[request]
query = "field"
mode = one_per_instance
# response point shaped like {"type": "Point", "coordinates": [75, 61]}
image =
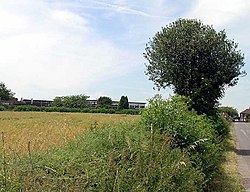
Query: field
{"type": "Point", "coordinates": [28, 132]}
{"type": "Point", "coordinates": [42, 151]}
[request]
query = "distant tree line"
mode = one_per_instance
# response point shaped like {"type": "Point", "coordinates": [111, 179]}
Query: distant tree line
{"type": "Point", "coordinates": [5, 93]}
{"type": "Point", "coordinates": [81, 102]}
{"type": "Point", "coordinates": [72, 103]}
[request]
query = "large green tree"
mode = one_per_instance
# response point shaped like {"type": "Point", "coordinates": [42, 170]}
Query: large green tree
{"type": "Point", "coordinates": [123, 103]}
{"type": "Point", "coordinates": [72, 101]}
{"type": "Point", "coordinates": [194, 60]}
{"type": "Point", "coordinates": [5, 93]}
{"type": "Point", "coordinates": [104, 102]}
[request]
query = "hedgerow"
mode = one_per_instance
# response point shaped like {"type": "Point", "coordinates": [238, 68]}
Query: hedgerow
{"type": "Point", "coordinates": [27, 108]}
{"type": "Point", "coordinates": [190, 132]}
{"type": "Point", "coordinates": [76, 110]}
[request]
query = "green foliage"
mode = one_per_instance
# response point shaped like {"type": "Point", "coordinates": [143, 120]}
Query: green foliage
{"type": "Point", "coordinates": [117, 158]}
{"type": "Point", "coordinates": [27, 108]}
{"type": "Point", "coordinates": [248, 118]}
{"type": "Point", "coordinates": [130, 111]}
{"type": "Point", "coordinates": [104, 102]}
{"type": "Point", "coordinates": [102, 110]}
{"type": "Point", "coordinates": [5, 93]}
{"type": "Point", "coordinates": [2, 108]}
{"type": "Point", "coordinates": [123, 103]}
{"type": "Point", "coordinates": [58, 102]}
{"type": "Point", "coordinates": [191, 132]}
{"type": "Point", "coordinates": [232, 112]}
{"type": "Point", "coordinates": [221, 126]}
{"type": "Point", "coordinates": [73, 101]}
{"type": "Point", "coordinates": [74, 110]}
{"type": "Point", "coordinates": [195, 60]}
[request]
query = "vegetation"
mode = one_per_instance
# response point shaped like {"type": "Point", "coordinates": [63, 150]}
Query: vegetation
{"type": "Point", "coordinates": [2, 108]}
{"type": "Point", "coordinates": [179, 144]}
{"type": "Point", "coordinates": [123, 103]}
{"type": "Point", "coordinates": [191, 132]}
{"type": "Point", "coordinates": [171, 149]}
{"type": "Point", "coordinates": [232, 112]}
{"type": "Point", "coordinates": [74, 110]}
{"type": "Point", "coordinates": [45, 130]}
{"type": "Point", "coordinates": [5, 93]}
{"type": "Point", "coordinates": [120, 158]}
{"type": "Point", "coordinates": [73, 101]}
{"type": "Point", "coordinates": [104, 102]}
{"type": "Point", "coordinates": [248, 118]}
{"type": "Point", "coordinates": [227, 177]}
{"type": "Point", "coordinates": [195, 60]}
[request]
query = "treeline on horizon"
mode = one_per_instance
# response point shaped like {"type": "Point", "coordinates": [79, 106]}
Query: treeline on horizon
{"type": "Point", "coordinates": [78, 104]}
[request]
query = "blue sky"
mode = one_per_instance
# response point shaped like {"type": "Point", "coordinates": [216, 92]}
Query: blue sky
{"type": "Point", "coordinates": [95, 47]}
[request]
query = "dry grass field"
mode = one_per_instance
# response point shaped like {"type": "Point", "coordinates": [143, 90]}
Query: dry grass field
{"type": "Point", "coordinates": [24, 132]}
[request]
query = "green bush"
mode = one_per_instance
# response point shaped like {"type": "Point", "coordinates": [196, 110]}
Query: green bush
{"type": "Point", "coordinates": [191, 132]}
{"type": "Point", "coordinates": [102, 110]}
{"type": "Point", "coordinates": [121, 158]}
{"type": "Point", "coordinates": [221, 126]}
{"type": "Point", "coordinates": [27, 108]}
{"type": "Point", "coordinates": [76, 110]}
{"type": "Point", "coordinates": [129, 111]}
{"type": "Point", "coordinates": [2, 108]}
{"type": "Point", "coordinates": [85, 110]}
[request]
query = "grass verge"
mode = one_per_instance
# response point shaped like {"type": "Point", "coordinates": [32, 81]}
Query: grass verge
{"type": "Point", "coordinates": [228, 177]}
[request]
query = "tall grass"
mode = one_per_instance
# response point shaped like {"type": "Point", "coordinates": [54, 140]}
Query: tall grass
{"type": "Point", "coordinates": [45, 130]}
{"type": "Point", "coordinates": [174, 149]}
{"type": "Point", "coordinates": [118, 158]}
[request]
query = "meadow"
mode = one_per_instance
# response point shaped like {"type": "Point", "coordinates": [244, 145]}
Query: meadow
{"type": "Point", "coordinates": [28, 132]}
{"type": "Point", "coordinates": [41, 151]}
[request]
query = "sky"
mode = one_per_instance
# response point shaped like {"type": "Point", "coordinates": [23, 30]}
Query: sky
{"type": "Point", "coordinates": [55, 48]}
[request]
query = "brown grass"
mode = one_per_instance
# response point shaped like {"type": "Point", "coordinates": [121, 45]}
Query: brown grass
{"type": "Point", "coordinates": [37, 131]}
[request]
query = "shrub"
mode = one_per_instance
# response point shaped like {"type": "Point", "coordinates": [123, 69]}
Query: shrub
{"type": "Point", "coordinates": [191, 132]}
{"type": "Point", "coordinates": [221, 126]}
{"type": "Point", "coordinates": [121, 158]}
{"type": "Point", "coordinates": [130, 111]}
{"type": "Point", "coordinates": [2, 108]}
{"type": "Point", "coordinates": [102, 110]}
{"type": "Point", "coordinates": [27, 108]}
{"type": "Point", "coordinates": [85, 110]}
{"type": "Point", "coordinates": [61, 109]}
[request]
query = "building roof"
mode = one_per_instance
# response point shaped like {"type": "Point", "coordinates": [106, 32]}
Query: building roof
{"type": "Point", "coordinates": [246, 111]}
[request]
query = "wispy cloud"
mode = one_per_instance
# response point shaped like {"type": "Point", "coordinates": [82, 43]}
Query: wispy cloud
{"type": "Point", "coordinates": [219, 12]}
{"type": "Point", "coordinates": [119, 7]}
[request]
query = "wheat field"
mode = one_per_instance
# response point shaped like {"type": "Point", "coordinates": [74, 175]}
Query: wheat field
{"type": "Point", "coordinates": [26, 132]}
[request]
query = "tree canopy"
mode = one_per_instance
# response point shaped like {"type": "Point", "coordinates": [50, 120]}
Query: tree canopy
{"type": "Point", "coordinates": [195, 60]}
{"type": "Point", "coordinates": [232, 112]}
{"type": "Point", "coordinates": [72, 101]}
{"type": "Point", "coordinates": [5, 93]}
{"type": "Point", "coordinates": [123, 103]}
{"type": "Point", "coordinates": [104, 102]}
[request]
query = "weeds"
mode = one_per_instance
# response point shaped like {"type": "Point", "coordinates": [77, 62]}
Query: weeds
{"type": "Point", "coordinates": [117, 158]}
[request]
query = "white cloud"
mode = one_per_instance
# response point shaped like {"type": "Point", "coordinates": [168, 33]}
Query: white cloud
{"type": "Point", "coordinates": [55, 52]}
{"type": "Point", "coordinates": [219, 12]}
{"type": "Point", "coordinates": [10, 22]}
{"type": "Point", "coordinates": [68, 18]}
